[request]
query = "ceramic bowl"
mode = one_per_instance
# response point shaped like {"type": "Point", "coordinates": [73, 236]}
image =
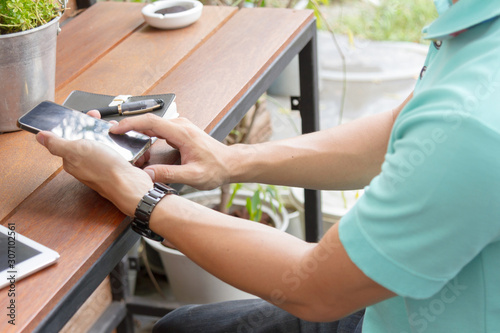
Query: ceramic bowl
{"type": "Point", "coordinates": [172, 14]}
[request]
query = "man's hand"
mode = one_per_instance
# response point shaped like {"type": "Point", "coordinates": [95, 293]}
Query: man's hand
{"type": "Point", "coordinates": [142, 159]}
{"type": "Point", "coordinates": [203, 159]}
{"type": "Point", "coordinates": [102, 169]}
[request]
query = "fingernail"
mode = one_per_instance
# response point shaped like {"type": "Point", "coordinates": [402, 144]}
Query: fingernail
{"type": "Point", "coordinates": [114, 124]}
{"type": "Point", "coordinates": [40, 138]}
{"type": "Point", "coordinates": [151, 173]}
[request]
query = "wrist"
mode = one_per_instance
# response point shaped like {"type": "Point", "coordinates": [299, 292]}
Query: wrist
{"type": "Point", "coordinates": [239, 167]}
{"type": "Point", "coordinates": [145, 208]}
{"type": "Point", "coordinates": [131, 193]}
{"type": "Point", "coordinates": [165, 214]}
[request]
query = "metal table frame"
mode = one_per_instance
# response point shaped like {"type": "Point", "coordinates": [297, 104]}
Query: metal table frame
{"type": "Point", "coordinates": [120, 313]}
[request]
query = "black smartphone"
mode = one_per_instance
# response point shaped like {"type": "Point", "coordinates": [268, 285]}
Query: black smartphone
{"type": "Point", "coordinates": [74, 125]}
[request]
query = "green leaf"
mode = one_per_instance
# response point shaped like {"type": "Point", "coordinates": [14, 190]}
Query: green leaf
{"type": "Point", "coordinates": [20, 15]}
{"type": "Point", "coordinates": [236, 188]}
{"type": "Point", "coordinates": [256, 206]}
{"type": "Point", "coordinates": [249, 208]}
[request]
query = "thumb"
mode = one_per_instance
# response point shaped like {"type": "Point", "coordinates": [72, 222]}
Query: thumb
{"type": "Point", "coordinates": [52, 142]}
{"type": "Point", "coordinates": [167, 173]}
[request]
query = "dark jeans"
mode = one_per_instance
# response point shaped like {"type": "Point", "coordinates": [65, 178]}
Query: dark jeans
{"type": "Point", "coordinates": [248, 316]}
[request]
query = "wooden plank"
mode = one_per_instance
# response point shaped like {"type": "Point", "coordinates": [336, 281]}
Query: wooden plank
{"type": "Point", "coordinates": [79, 45]}
{"type": "Point", "coordinates": [149, 54]}
{"type": "Point", "coordinates": [91, 34]}
{"type": "Point", "coordinates": [25, 166]}
{"type": "Point", "coordinates": [75, 221]}
{"type": "Point", "coordinates": [94, 307]}
{"type": "Point", "coordinates": [224, 67]}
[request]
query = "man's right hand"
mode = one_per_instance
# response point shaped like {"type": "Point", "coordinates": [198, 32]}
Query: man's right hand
{"type": "Point", "coordinates": [203, 159]}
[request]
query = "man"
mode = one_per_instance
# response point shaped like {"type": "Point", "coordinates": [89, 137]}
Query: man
{"type": "Point", "coordinates": [420, 250]}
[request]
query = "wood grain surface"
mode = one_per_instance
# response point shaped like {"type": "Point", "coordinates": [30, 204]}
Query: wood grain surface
{"type": "Point", "coordinates": [140, 61]}
{"type": "Point", "coordinates": [108, 49]}
{"type": "Point", "coordinates": [91, 35]}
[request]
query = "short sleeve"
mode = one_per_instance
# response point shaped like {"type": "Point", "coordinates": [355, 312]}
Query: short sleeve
{"type": "Point", "coordinates": [433, 207]}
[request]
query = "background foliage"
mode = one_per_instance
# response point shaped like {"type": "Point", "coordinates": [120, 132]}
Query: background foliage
{"type": "Point", "coordinates": [394, 20]}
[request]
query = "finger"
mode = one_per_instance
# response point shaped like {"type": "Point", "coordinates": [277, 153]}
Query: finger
{"type": "Point", "coordinates": [153, 125]}
{"type": "Point", "coordinates": [73, 153]}
{"type": "Point", "coordinates": [170, 173]}
{"type": "Point", "coordinates": [144, 123]}
{"type": "Point", "coordinates": [56, 146]}
{"type": "Point", "coordinates": [94, 113]}
{"type": "Point", "coordinates": [143, 159]}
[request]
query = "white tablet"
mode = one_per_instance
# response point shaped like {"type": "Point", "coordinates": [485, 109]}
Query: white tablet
{"type": "Point", "coordinates": [21, 256]}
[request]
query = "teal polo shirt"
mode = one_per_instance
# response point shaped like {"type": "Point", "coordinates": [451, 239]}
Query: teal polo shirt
{"type": "Point", "coordinates": [428, 226]}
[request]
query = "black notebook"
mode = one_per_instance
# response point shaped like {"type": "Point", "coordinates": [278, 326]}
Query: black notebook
{"type": "Point", "coordinates": [82, 101]}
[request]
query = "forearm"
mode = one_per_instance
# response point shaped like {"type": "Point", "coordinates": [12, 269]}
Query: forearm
{"type": "Point", "coordinates": [341, 158]}
{"type": "Point", "coordinates": [344, 157]}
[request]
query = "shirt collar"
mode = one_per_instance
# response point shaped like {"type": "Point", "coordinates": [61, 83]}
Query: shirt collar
{"type": "Point", "coordinates": [456, 18]}
{"type": "Point", "coordinates": [442, 5]}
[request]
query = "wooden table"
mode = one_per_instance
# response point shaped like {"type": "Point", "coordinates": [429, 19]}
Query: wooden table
{"type": "Point", "coordinates": [218, 68]}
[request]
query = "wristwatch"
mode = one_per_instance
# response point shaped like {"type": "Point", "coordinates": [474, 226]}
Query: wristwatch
{"type": "Point", "coordinates": [140, 223]}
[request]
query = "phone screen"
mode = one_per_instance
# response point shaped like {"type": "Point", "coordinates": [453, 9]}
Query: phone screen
{"type": "Point", "coordinates": [74, 125]}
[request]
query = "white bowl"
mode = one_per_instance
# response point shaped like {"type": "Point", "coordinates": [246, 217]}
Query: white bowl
{"type": "Point", "coordinates": [172, 20]}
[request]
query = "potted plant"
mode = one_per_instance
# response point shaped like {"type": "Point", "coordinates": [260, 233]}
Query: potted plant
{"type": "Point", "coordinates": [28, 31]}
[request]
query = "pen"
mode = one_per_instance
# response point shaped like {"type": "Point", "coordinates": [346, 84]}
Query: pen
{"type": "Point", "coordinates": [126, 109]}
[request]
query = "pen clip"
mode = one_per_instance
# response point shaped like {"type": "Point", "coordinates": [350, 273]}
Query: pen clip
{"type": "Point", "coordinates": [120, 99]}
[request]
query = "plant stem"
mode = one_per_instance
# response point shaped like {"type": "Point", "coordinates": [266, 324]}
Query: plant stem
{"type": "Point", "coordinates": [37, 13]}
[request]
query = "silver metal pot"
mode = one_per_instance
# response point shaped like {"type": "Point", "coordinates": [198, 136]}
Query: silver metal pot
{"type": "Point", "coordinates": [27, 71]}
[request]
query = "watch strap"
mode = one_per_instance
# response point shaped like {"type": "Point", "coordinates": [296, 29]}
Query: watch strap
{"type": "Point", "coordinates": [140, 223]}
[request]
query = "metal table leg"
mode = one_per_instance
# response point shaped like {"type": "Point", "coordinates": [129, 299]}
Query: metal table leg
{"type": "Point", "coordinates": [309, 111]}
